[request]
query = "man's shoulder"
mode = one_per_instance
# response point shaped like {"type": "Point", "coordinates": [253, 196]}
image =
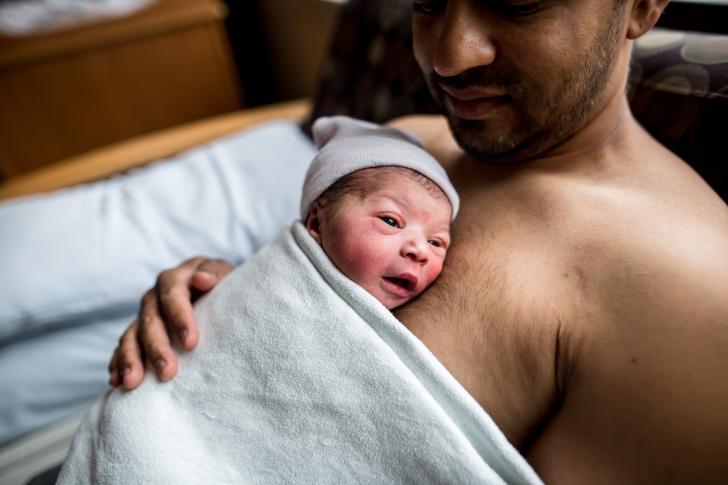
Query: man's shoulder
{"type": "Point", "coordinates": [666, 274]}
{"type": "Point", "coordinates": [664, 231]}
{"type": "Point", "coordinates": [645, 369]}
{"type": "Point", "coordinates": [652, 251]}
{"type": "Point", "coordinates": [644, 391]}
{"type": "Point", "coordinates": [434, 133]}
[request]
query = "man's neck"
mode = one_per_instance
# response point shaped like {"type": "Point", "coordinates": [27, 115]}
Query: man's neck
{"type": "Point", "coordinates": [607, 134]}
{"type": "Point", "coordinates": [607, 141]}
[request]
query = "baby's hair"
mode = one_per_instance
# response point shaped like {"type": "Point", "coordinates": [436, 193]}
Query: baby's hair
{"type": "Point", "coordinates": [365, 181]}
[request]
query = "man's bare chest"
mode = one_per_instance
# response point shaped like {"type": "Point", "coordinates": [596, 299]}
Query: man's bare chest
{"type": "Point", "coordinates": [493, 320]}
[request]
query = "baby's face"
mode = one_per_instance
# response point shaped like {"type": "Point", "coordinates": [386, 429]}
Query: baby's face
{"type": "Point", "coordinates": [392, 243]}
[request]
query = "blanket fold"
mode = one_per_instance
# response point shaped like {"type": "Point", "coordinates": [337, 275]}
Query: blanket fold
{"type": "Point", "coordinates": [300, 376]}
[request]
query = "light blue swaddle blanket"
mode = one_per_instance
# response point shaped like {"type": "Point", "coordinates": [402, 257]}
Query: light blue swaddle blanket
{"type": "Point", "coordinates": [300, 376]}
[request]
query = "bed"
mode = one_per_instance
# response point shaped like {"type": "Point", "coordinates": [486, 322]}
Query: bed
{"type": "Point", "coordinates": [83, 238]}
{"type": "Point", "coordinates": [54, 340]}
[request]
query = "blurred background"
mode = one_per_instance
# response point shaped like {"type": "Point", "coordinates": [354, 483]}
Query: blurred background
{"type": "Point", "coordinates": [79, 74]}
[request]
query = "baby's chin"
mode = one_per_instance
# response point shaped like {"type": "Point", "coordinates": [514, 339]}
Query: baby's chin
{"type": "Point", "coordinates": [391, 302]}
{"type": "Point", "coordinates": [392, 306]}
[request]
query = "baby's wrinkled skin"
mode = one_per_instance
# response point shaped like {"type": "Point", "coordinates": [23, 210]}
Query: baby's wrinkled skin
{"type": "Point", "coordinates": [392, 242]}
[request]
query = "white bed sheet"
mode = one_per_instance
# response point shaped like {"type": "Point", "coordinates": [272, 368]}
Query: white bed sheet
{"type": "Point", "coordinates": [75, 262]}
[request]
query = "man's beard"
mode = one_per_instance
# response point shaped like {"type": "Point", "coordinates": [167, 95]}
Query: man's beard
{"type": "Point", "coordinates": [542, 117]}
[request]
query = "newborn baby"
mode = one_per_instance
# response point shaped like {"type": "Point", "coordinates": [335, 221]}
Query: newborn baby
{"type": "Point", "coordinates": [379, 206]}
{"type": "Point", "coordinates": [303, 374]}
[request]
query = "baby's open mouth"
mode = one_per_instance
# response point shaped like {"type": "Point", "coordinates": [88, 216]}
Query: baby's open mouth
{"type": "Point", "coordinates": [401, 282]}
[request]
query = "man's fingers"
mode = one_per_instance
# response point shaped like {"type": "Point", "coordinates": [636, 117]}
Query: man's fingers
{"type": "Point", "coordinates": [114, 377]}
{"type": "Point", "coordinates": [131, 363]}
{"type": "Point", "coordinates": [168, 306]}
{"type": "Point", "coordinates": [176, 308]}
{"type": "Point", "coordinates": [127, 364]}
{"type": "Point", "coordinates": [209, 272]}
{"type": "Point", "coordinates": [175, 295]}
{"type": "Point", "coordinates": [175, 299]}
{"type": "Point", "coordinates": [206, 277]}
{"type": "Point", "coordinates": [153, 335]}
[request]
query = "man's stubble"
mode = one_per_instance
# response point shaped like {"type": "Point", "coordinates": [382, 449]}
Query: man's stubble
{"type": "Point", "coordinates": [543, 117]}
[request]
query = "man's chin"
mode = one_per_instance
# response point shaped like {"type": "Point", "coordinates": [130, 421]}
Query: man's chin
{"type": "Point", "coordinates": [489, 144]}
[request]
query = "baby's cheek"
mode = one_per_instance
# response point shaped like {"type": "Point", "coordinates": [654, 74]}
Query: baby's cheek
{"type": "Point", "coordinates": [433, 272]}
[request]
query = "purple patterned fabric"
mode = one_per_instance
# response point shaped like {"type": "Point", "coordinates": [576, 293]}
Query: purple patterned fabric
{"type": "Point", "coordinates": [679, 92]}
{"type": "Point", "coordinates": [678, 82]}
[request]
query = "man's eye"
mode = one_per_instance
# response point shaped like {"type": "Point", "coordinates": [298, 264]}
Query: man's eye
{"type": "Point", "coordinates": [391, 221]}
{"type": "Point", "coordinates": [516, 9]}
{"type": "Point", "coordinates": [429, 6]}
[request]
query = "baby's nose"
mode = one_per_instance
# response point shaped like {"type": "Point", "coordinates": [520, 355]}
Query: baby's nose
{"type": "Point", "coordinates": [415, 249]}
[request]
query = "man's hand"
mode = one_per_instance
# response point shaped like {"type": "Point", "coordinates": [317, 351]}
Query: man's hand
{"type": "Point", "coordinates": [166, 313]}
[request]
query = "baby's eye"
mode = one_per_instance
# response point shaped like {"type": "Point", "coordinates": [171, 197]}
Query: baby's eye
{"type": "Point", "coordinates": [391, 221]}
{"type": "Point", "coordinates": [436, 243]}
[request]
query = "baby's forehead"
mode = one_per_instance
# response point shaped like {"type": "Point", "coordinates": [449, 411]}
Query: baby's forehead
{"type": "Point", "coordinates": [404, 194]}
{"type": "Point", "coordinates": [371, 180]}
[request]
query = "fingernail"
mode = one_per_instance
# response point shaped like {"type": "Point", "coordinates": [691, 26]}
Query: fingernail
{"type": "Point", "coordinates": [159, 364]}
{"type": "Point", "coordinates": [182, 334]}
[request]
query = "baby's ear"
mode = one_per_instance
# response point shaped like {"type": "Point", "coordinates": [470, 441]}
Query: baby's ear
{"type": "Point", "coordinates": [313, 221]}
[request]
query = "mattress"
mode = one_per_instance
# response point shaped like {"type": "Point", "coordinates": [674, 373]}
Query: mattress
{"type": "Point", "coordinates": [37, 455]}
{"type": "Point", "coordinates": [76, 262]}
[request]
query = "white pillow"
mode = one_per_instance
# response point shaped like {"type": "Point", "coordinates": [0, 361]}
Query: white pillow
{"type": "Point", "coordinates": [99, 246]}
{"type": "Point", "coordinates": [55, 375]}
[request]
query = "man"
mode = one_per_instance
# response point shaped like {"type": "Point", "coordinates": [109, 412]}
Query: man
{"type": "Point", "coordinates": [583, 303]}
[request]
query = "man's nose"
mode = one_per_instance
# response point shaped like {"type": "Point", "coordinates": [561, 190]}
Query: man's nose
{"type": "Point", "coordinates": [415, 248]}
{"type": "Point", "coordinates": [464, 40]}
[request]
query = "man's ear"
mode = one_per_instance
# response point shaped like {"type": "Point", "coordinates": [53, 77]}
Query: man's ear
{"type": "Point", "coordinates": [313, 221]}
{"type": "Point", "coordinates": [643, 16]}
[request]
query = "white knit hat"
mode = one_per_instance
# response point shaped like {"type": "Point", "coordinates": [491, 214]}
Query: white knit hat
{"type": "Point", "coordinates": [347, 145]}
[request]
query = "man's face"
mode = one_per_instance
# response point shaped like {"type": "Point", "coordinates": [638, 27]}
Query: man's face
{"type": "Point", "coordinates": [516, 77]}
{"type": "Point", "coordinates": [392, 243]}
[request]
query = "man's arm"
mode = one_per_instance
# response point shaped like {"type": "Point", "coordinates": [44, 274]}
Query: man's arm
{"type": "Point", "coordinates": [166, 310]}
{"type": "Point", "coordinates": [165, 315]}
{"type": "Point", "coordinates": [646, 398]}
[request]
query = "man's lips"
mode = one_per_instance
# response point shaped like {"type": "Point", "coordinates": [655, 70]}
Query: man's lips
{"type": "Point", "coordinates": [470, 93]}
{"type": "Point", "coordinates": [473, 103]}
